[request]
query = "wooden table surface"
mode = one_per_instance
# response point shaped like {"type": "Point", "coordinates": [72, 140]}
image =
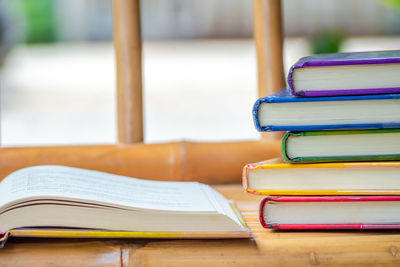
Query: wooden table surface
{"type": "Point", "coordinates": [268, 247]}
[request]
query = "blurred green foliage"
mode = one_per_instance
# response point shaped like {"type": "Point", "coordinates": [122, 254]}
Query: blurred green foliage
{"type": "Point", "coordinates": [39, 15]}
{"type": "Point", "coordinates": [327, 41]}
{"type": "Point", "coordinates": [392, 3]}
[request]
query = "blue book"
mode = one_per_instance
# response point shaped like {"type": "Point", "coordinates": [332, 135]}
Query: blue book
{"type": "Point", "coordinates": [285, 112]}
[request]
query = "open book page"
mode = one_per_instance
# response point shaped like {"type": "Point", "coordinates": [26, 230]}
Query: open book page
{"type": "Point", "coordinates": [65, 182]}
{"type": "Point", "coordinates": [223, 206]}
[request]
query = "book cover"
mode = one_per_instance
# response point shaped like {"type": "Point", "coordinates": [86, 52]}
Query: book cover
{"type": "Point", "coordinates": [325, 199]}
{"type": "Point", "coordinates": [285, 96]}
{"type": "Point", "coordinates": [280, 164]}
{"type": "Point", "coordinates": [51, 233]}
{"type": "Point", "coordinates": [317, 159]}
{"type": "Point", "coordinates": [341, 59]}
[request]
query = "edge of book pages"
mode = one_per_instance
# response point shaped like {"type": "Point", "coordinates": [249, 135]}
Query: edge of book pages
{"type": "Point", "coordinates": [272, 165]}
{"type": "Point", "coordinates": [77, 233]}
{"type": "Point", "coordinates": [332, 226]}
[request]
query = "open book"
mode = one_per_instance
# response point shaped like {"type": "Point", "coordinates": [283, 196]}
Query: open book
{"type": "Point", "coordinates": [58, 201]}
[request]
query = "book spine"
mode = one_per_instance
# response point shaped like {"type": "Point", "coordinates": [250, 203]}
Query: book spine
{"type": "Point", "coordinates": [245, 179]}
{"type": "Point", "coordinates": [261, 212]}
{"type": "Point", "coordinates": [257, 124]}
{"type": "Point", "coordinates": [285, 147]}
{"type": "Point", "coordinates": [290, 81]}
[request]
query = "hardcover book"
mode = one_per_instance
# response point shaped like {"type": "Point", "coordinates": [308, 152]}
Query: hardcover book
{"type": "Point", "coordinates": [336, 146]}
{"type": "Point", "coordinates": [275, 177]}
{"type": "Point", "coordinates": [349, 212]}
{"type": "Point", "coordinates": [356, 73]}
{"type": "Point", "coordinates": [58, 201]}
{"type": "Point", "coordinates": [284, 112]}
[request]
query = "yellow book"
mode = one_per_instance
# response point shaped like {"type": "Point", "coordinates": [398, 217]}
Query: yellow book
{"type": "Point", "coordinates": [58, 201]}
{"type": "Point", "coordinates": [274, 177]}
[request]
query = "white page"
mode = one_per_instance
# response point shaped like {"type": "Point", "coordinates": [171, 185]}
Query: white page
{"type": "Point", "coordinates": [67, 182]}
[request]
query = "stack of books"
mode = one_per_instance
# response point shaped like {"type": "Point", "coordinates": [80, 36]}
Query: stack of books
{"type": "Point", "coordinates": [340, 167]}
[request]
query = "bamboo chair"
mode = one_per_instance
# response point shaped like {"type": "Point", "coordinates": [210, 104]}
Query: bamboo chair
{"type": "Point", "coordinates": [206, 162]}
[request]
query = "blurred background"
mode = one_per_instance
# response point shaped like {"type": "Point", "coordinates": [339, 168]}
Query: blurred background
{"type": "Point", "coordinates": [58, 73]}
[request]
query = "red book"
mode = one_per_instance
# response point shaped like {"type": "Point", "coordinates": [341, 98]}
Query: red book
{"type": "Point", "coordinates": [331, 212]}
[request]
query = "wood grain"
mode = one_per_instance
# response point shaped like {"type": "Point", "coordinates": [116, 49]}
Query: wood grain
{"type": "Point", "coordinates": [128, 54]}
{"type": "Point", "coordinates": [61, 253]}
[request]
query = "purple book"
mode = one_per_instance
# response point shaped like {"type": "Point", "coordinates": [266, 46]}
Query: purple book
{"type": "Point", "coordinates": [359, 73]}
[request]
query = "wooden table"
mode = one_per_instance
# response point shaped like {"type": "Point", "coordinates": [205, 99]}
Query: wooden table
{"type": "Point", "coordinates": [267, 248]}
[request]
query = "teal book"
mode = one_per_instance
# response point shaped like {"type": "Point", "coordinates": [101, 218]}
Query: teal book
{"type": "Point", "coordinates": [341, 146]}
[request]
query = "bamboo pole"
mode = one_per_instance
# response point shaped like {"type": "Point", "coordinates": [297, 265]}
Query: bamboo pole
{"type": "Point", "coordinates": [182, 161]}
{"type": "Point", "coordinates": [128, 53]}
{"type": "Point", "coordinates": [269, 48]}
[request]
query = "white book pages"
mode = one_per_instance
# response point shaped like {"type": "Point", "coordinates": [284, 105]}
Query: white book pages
{"type": "Point", "coordinates": [71, 183]}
